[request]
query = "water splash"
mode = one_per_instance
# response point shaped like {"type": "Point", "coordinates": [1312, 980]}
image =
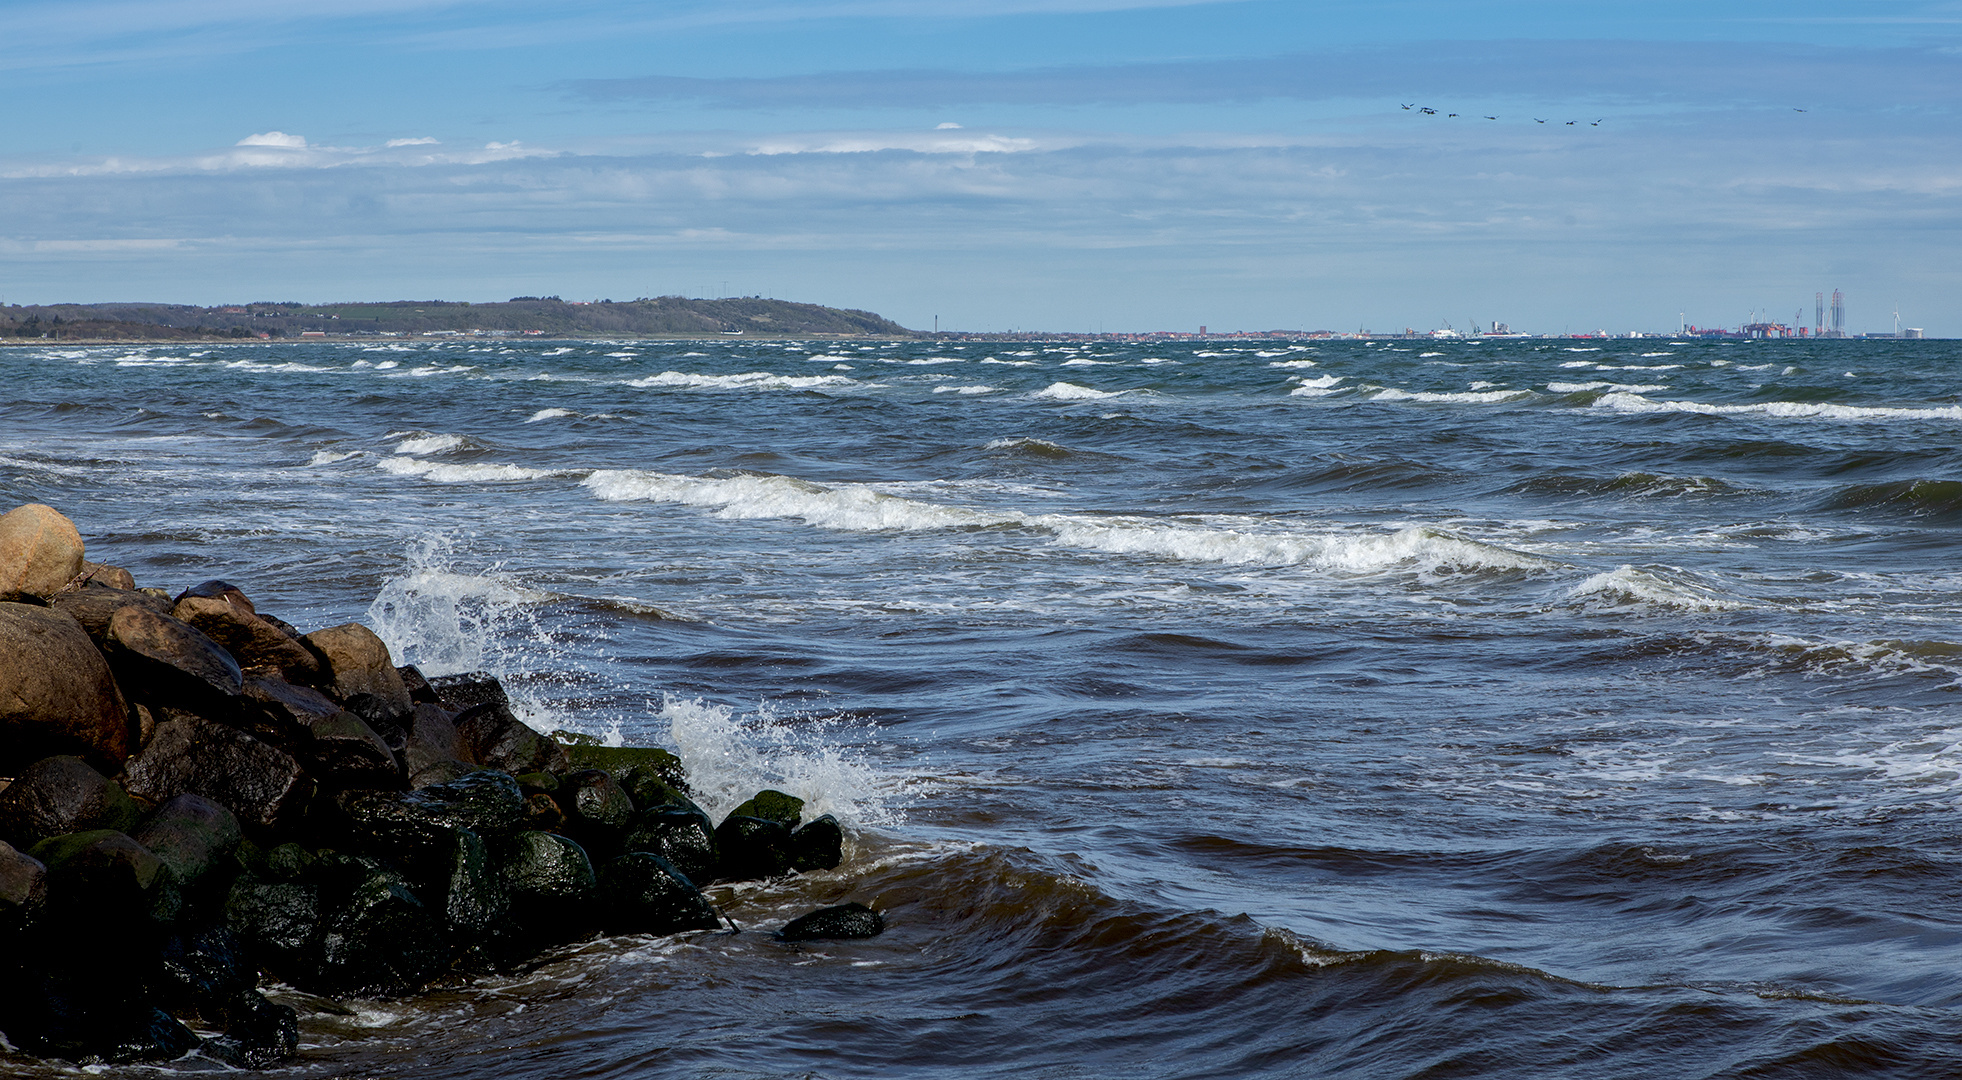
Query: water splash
{"type": "Point", "coordinates": [823, 760]}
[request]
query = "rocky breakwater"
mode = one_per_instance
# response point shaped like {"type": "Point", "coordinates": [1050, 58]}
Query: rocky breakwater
{"type": "Point", "coordinates": [198, 796]}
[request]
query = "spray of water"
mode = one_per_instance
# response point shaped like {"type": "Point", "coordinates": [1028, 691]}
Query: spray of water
{"type": "Point", "coordinates": [822, 760]}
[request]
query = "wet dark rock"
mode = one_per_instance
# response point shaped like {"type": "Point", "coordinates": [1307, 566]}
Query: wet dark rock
{"type": "Point", "coordinates": [843, 921]}
{"type": "Point", "coordinates": [285, 712]}
{"type": "Point", "coordinates": [346, 753]}
{"type": "Point", "coordinates": [94, 605]}
{"type": "Point", "coordinates": [23, 891]}
{"type": "Point", "coordinates": [500, 740]}
{"type": "Point", "coordinates": [261, 784]}
{"type": "Point", "coordinates": [89, 1012]}
{"type": "Point", "coordinates": [199, 973]}
{"type": "Point", "coordinates": [286, 862]}
{"type": "Point", "coordinates": [750, 849]}
{"type": "Point", "coordinates": [411, 823]}
{"type": "Point", "coordinates": [279, 920]}
{"type": "Point", "coordinates": [467, 889]}
{"type": "Point", "coordinates": [217, 590]}
{"type": "Point", "coordinates": [103, 877]}
{"type": "Point", "coordinates": [114, 577]}
{"type": "Point", "coordinates": [62, 794]}
{"type": "Point", "coordinates": [40, 552]}
{"type": "Point", "coordinates": [551, 884]}
{"type": "Point", "coordinates": [818, 845]}
{"type": "Point", "coordinates": [355, 661]}
{"type": "Point", "coordinates": [162, 661]}
{"type": "Point", "coordinates": [413, 680]}
{"type": "Point", "coordinates": [380, 939]}
{"type": "Point", "coordinates": [430, 737]}
{"type": "Point", "coordinates": [776, 806]}
{"type": "Point", "coordinates": [538, 783]}
{"type": "Point", "coordinates": [258, 1032]}
{"type": "Point", "coordinates": [459, 692]}
{"type": "Point", "coordinates": [441, 772]}
{"type": "Point", "coordinates": [643, 893]}
{"type": "Point", "coordinates": [393, 727]}
{"type": "Point", "coordinates": [56, 693]}
{"type": "Point", "coordinates": [597, 811]}
{"type": "Point", "coordinates": [685, 838]}
{"type": "Point", "coordinates": [195, 838]}
{"type": "Point", "coordinates": [542, 812]}
{"type": "Point", "coordinates": [255, 643]}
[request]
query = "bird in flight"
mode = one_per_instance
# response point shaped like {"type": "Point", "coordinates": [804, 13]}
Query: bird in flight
{"type": "Point", "coordinates": [1428, 112]}
{"type": "Point", "coordinates": [1450, 114]}
{"type": "Point", "coordinates": [1537, 120]}
{"type": "Point", "coordinates": [1597, 123]}
{"type": "Point", "coordinates": [1796, 109]}
{"type": "Point", "coordinates": [1491, 118]}
{"type": "Point", "coordinates": [1407, 108]}
{"type": "Point", "coordinates": [1570, 123]}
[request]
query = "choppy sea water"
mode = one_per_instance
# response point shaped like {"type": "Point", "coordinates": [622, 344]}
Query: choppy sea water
{"type": "Point", "coordinates": [1530, 708]}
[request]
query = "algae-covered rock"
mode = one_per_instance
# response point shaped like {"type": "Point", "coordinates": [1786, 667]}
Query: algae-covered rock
{"type": "Point", "coordinates": [643, 893]}
{"type": "Point", "coordinates": [852, 920]}
{"type": "Point", "coordinates": [381, 939]}
{"type": "Point", "coordinates": [194, 837]}
{"type": "Point", "coordinates": [626, 764]}
{"type": "Point", "coordinates": [597, 811]}
{"type": "Point", "coordinates": [496, 737]}
{"type": "Point", "coordinates": [487, 803]}
{"type": "Point", "coordinates": [551, 883]}
{"type": "Point", "coordinates": [103, 877]}
{"type": "Point", "coordinates": [776, 806]}
{"type": "Point", "coordinates": [279, 920]}
{"type": "Point", "coordinates": [62, 794]}
{"type": "Point", "coordinates": [467, 890]}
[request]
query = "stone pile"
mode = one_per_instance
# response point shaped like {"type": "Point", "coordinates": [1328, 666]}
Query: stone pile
{"type": "Point", "coordinates": [201, 794]}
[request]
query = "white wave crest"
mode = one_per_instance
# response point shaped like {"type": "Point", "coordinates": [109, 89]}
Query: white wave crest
{"type": "Point", "coordinates": [1069, 391]}
{"type": "Point", "coordinates": [329, 457]}
{"type": "Point", "coordinates": [1626, 388]}
{"type": "Point", "coordinates": [1786, 410]}
{"type": "Point", "coordinates": [550, 414]}
{"type": "Point", "coordinates": [752, 380]}
{"type": "Point", "coordinates": [1290, 363]}
{"type": "Point", "coordinates": [1472, 397]}
{"type": "Point", "coordinates": [861, 508]}
{"type": "Point", "coordinates": [429, 444]}
{"type": "Point", "coordinates": [1626, 586]}
{"type": "Point", "coordinates": [461, 474]}
{"type": "Point", "coordinates": [965, 389]}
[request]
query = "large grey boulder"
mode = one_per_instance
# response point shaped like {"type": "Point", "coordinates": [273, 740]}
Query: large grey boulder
{"type": "Point", "coordinates": [56, 693]}
{"type": "Point", "coordinates": [40, 552]}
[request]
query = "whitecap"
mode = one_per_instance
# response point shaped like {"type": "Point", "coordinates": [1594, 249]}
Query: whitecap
{"type": "Point", "coordinates": [461, 474]}
{"type": "Point", "coordinates": [1626, 388]}
{"type": "Point", "coordinates": [752, 380]}
{"type": "Point", "coordinates": [1476, 397]}
{"type": "Point", "coordinates": [1069, 391]}
{"type": "Point", "coordinates": [429, 444]}
{"type": "Point", "coordinates": [1626, 586]}
{"type": "Point", "coordinates": [965, 389]}
{"type": "Point", "coordinates": [550, 414]}
{"type": "Point", "coordinates": [1786, 410]}
{"type": "Point", "coordinates": [1293, 363]}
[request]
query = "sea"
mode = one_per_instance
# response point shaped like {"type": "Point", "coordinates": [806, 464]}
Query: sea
{"type": "Point", "coordinates": [1576, 708]}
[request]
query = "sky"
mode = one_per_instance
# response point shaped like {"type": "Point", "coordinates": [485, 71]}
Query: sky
{"type": "Point", "coordinates": [1068, 165]}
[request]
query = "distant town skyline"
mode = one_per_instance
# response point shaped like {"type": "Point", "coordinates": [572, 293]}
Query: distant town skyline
{"type": "Point", "coordinates": [1050, 164]}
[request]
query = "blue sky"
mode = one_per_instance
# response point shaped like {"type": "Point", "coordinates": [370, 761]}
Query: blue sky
{"type": "Point", "coordinates": [1046, 164]}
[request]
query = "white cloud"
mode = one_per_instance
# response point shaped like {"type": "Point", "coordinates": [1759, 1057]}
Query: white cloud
{"type": "Point", "coordinates": [948, 126]}
{"type": "Point", "coordinates": [275, 138]}
{"type": "Point", "coordinates": [424, 141]}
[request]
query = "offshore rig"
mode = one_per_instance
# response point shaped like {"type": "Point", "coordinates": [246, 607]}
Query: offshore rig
{"type": "Point", "coordinates": [1827, 322]}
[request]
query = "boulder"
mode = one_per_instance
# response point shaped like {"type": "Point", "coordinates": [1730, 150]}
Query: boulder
{"type": "Point", "coordinates": [750, 849]}
{"type": "Point", "coordinates": [458, 692]}
{"type": "Point", "coordinates": [217, 590]}
{"type": "Point", "coordinates": [59, 795]}
{"type": "Point", "coordinates": [93, 606]}
{"type": "Point", "coordinates": [630, 765]}
{"type": "Point", "coordinates": [199, 973]}
{"type": "Point", "coordinates": [843, 921]}
{"type": "Point", "coordinates": [115, 577]}
{"type": "Point", "coordinates": [279, 920]}
{"type": "Point", "coordinates": [252, 641]}
{"type": "Point", "coordinates": [40, 552]}
{"type": "Point", "coordinates": [282, 713]}
{"type": "Point", "coordinates": [817, 845]}
{"type": "Point", "coordinates": [163, 661]}
{"type": "Point", "coordinates": [597, 811]}
{"type": "Point", "coordinates": [90, 1011]}
{"type": "Point", "coordinates": [23, 890]}
{"type": "Point", "coordinates": [416, 684]}
{"type": "Point", "coordinates": [467, 890]}
{"type": "Point", "coordinates": [431, 737]}
{"type": "Point", "coordinates": [551, 884]}
{"type": "Point", "coordinates": [683, 837]}
{"type": "Point", "coordinates": [786, 810]}
{"type": "Point", "coordinates": [195, 838]}
{"type": "Point", "coordinates": [346, 753]}
{"type": "Point", "coordinates": [104, 878]}
{"type": "Point", "coordinates": [410, 824]}
{"type": "Point", "coordinates": [500, 740]}
{"type": "Point", "coordinates": [355, 661]}
{"type": "Point", "coordinates": [261, 784]}
{"type": "Point", "coordinates": [258, 1033]}
{"type": "Point", "coordinates": [442, 772]}
{"type": "Point", "coordinates": [56, 693]}
{"type": "Point", "coordinates": [642, 893]}
{"type": "Point", "coordinates": [381, 939]}
{"type": "Point", "coordinates": [542, 812]}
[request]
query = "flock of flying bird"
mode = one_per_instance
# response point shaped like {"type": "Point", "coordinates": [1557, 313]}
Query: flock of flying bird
{"type": "Point", "coordinates": [1428, 111]}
